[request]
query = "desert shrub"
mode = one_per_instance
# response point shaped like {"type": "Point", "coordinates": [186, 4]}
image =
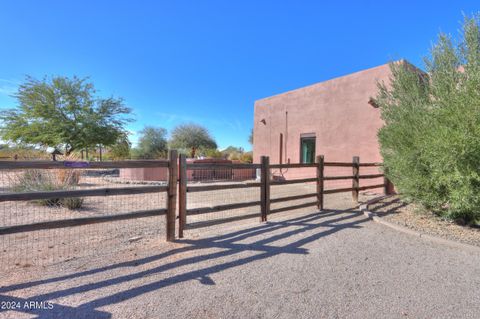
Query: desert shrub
{"type": "Point", "coordinates": [72, 203]}
{"type": "Point", "coordinates": [37, 180]}
{"type": "Point", "coordinates": [431, 139]}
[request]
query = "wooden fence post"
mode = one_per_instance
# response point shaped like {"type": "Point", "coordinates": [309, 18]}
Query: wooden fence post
{"type": "Point", "coordinates": [182, 195]}
{"type": "Point", "coordinates": [387, 185]}
{"type": "Point", "coordinates": [320, 174]}
{"type": "Point", "coordinates": [265, 187]}
{"type": "Point", "coordinates": [172, 194]}
{"type": "Point", "coordinates": [356, 179]}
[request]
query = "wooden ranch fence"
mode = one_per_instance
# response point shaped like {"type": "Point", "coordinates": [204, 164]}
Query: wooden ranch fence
{"type": "Point", "coordinates": [265, 183]}
{"type": "Point", "coordinates": [177, 172]}
{"type": "Point", "coordinates": [168, 210]}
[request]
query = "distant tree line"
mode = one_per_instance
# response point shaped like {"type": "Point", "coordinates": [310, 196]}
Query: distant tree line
{"type": "Point", "coordinates": [65, 115]}
{"type": "Point", "coordinates": [191, 139]}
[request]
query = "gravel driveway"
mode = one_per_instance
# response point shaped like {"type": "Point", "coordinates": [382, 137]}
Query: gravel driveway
{"type": "Point", "coordinates": [333, 264]}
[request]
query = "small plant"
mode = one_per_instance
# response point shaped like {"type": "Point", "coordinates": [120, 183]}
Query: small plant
{"type": "Point", "coordinates": [36, 180]}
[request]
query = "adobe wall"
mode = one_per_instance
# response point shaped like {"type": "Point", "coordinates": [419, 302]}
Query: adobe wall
{"type": "Point", "coordinates": [144, 174]}
{"type": "Point", "coordinates": [337, 111]}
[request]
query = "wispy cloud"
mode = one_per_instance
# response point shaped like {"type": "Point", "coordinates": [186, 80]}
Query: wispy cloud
{"type": "Point", "coordinates": [171, 118]}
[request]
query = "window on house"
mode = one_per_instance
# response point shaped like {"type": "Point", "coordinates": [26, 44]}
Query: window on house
{"type": "Point", "coordinates": [307, 148]}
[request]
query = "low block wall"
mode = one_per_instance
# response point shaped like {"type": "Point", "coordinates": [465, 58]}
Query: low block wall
{"type": "Point", "coordinates": [144, 173]}
{"type": "Point", "coordinates": [161, 173]}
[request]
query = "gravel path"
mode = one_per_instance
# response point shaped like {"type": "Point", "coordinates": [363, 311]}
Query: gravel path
{"type": "Point", "coordinates": [393, 210]}
{"type": "Point", "coordinates": [334, 264]}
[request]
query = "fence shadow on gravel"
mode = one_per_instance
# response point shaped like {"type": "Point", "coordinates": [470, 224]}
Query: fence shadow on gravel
{"type": "Point", "coordinates": [387, 206]}
{"type": "Point", "coordinates": [318, 225]}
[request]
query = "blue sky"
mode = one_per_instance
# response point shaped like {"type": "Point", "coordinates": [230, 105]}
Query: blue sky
{"type": "Point", "coordinates": [208, 61]}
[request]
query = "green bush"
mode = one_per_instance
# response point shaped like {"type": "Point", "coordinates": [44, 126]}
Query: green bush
{"type": "Point", "coordinates": [431, 139]}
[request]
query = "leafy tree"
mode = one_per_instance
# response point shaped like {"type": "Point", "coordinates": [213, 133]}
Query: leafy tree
{"type": "Point", "coordinates": [121, 149]}
{"type": "Point", "coordinates": [152, 143]}
{"type": "Point", "coordinates": [63, 113]}
{"type": "Point", "coordinates": [191, 137]}
{"type": "Point", "coordinates": [233, 153]}
{"type": "Point", "coordinates": [431, 139]}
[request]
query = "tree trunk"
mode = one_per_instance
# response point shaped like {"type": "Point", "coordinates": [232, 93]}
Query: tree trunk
{"type": "Point", "coordinates": [69, 150]}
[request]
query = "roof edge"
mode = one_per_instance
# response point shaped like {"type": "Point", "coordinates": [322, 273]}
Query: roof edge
{"type": "Point", "coordinates": [339, 77]}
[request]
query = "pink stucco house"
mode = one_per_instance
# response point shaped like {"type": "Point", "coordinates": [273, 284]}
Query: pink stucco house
{"type": "Point", "coordinates": [336, 118]}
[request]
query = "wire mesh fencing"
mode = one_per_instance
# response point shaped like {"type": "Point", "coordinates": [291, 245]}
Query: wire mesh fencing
{"type": "Point", "coordinates": [287, 196]}
{"type": "Point", "coordinates": [218, 193]}
{"type": "Point", "coordinates": [50, 215]}
{"type": "Point", "coordinates": [372, 175]}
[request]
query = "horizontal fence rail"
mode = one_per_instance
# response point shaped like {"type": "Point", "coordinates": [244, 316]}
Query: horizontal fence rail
{"type": "Point", "coordinates": [338, 164]}
{"type": "Point", "coordinates": [370, 164]}
{"type": "Point", "coordinates": [297, 165]}
{"type": "Point", "coordinates": [78, 221]}
{"type": "Point", "coordinates": [26, 196]}
{"type": "Point", "coordinates": [80, 164]}
{"type": "Point", "coordinates": [294, 181]}
{"type": "Point", "coordinates": [362, 188]}
{"type": "Point", "coordinates": [348, 189]}
{"type": "Point", "coordinates": [290, 198]}
{"type": "Point", "coordinates": [335, 178]}
{"type": "Point", "coordinates": [203, 210]}
{"type": "Point", "coordinates": [371, 176]}
{"type": "Point", "coordinates": [205, 166]}
{"type": "Point", "coordinates": [203, 188]}
{"type": "Point", "coordinates": [285, 209]}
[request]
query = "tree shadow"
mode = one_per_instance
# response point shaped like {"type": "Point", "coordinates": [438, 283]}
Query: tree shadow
{"type": "Point", "coordinates": [233, 244]}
